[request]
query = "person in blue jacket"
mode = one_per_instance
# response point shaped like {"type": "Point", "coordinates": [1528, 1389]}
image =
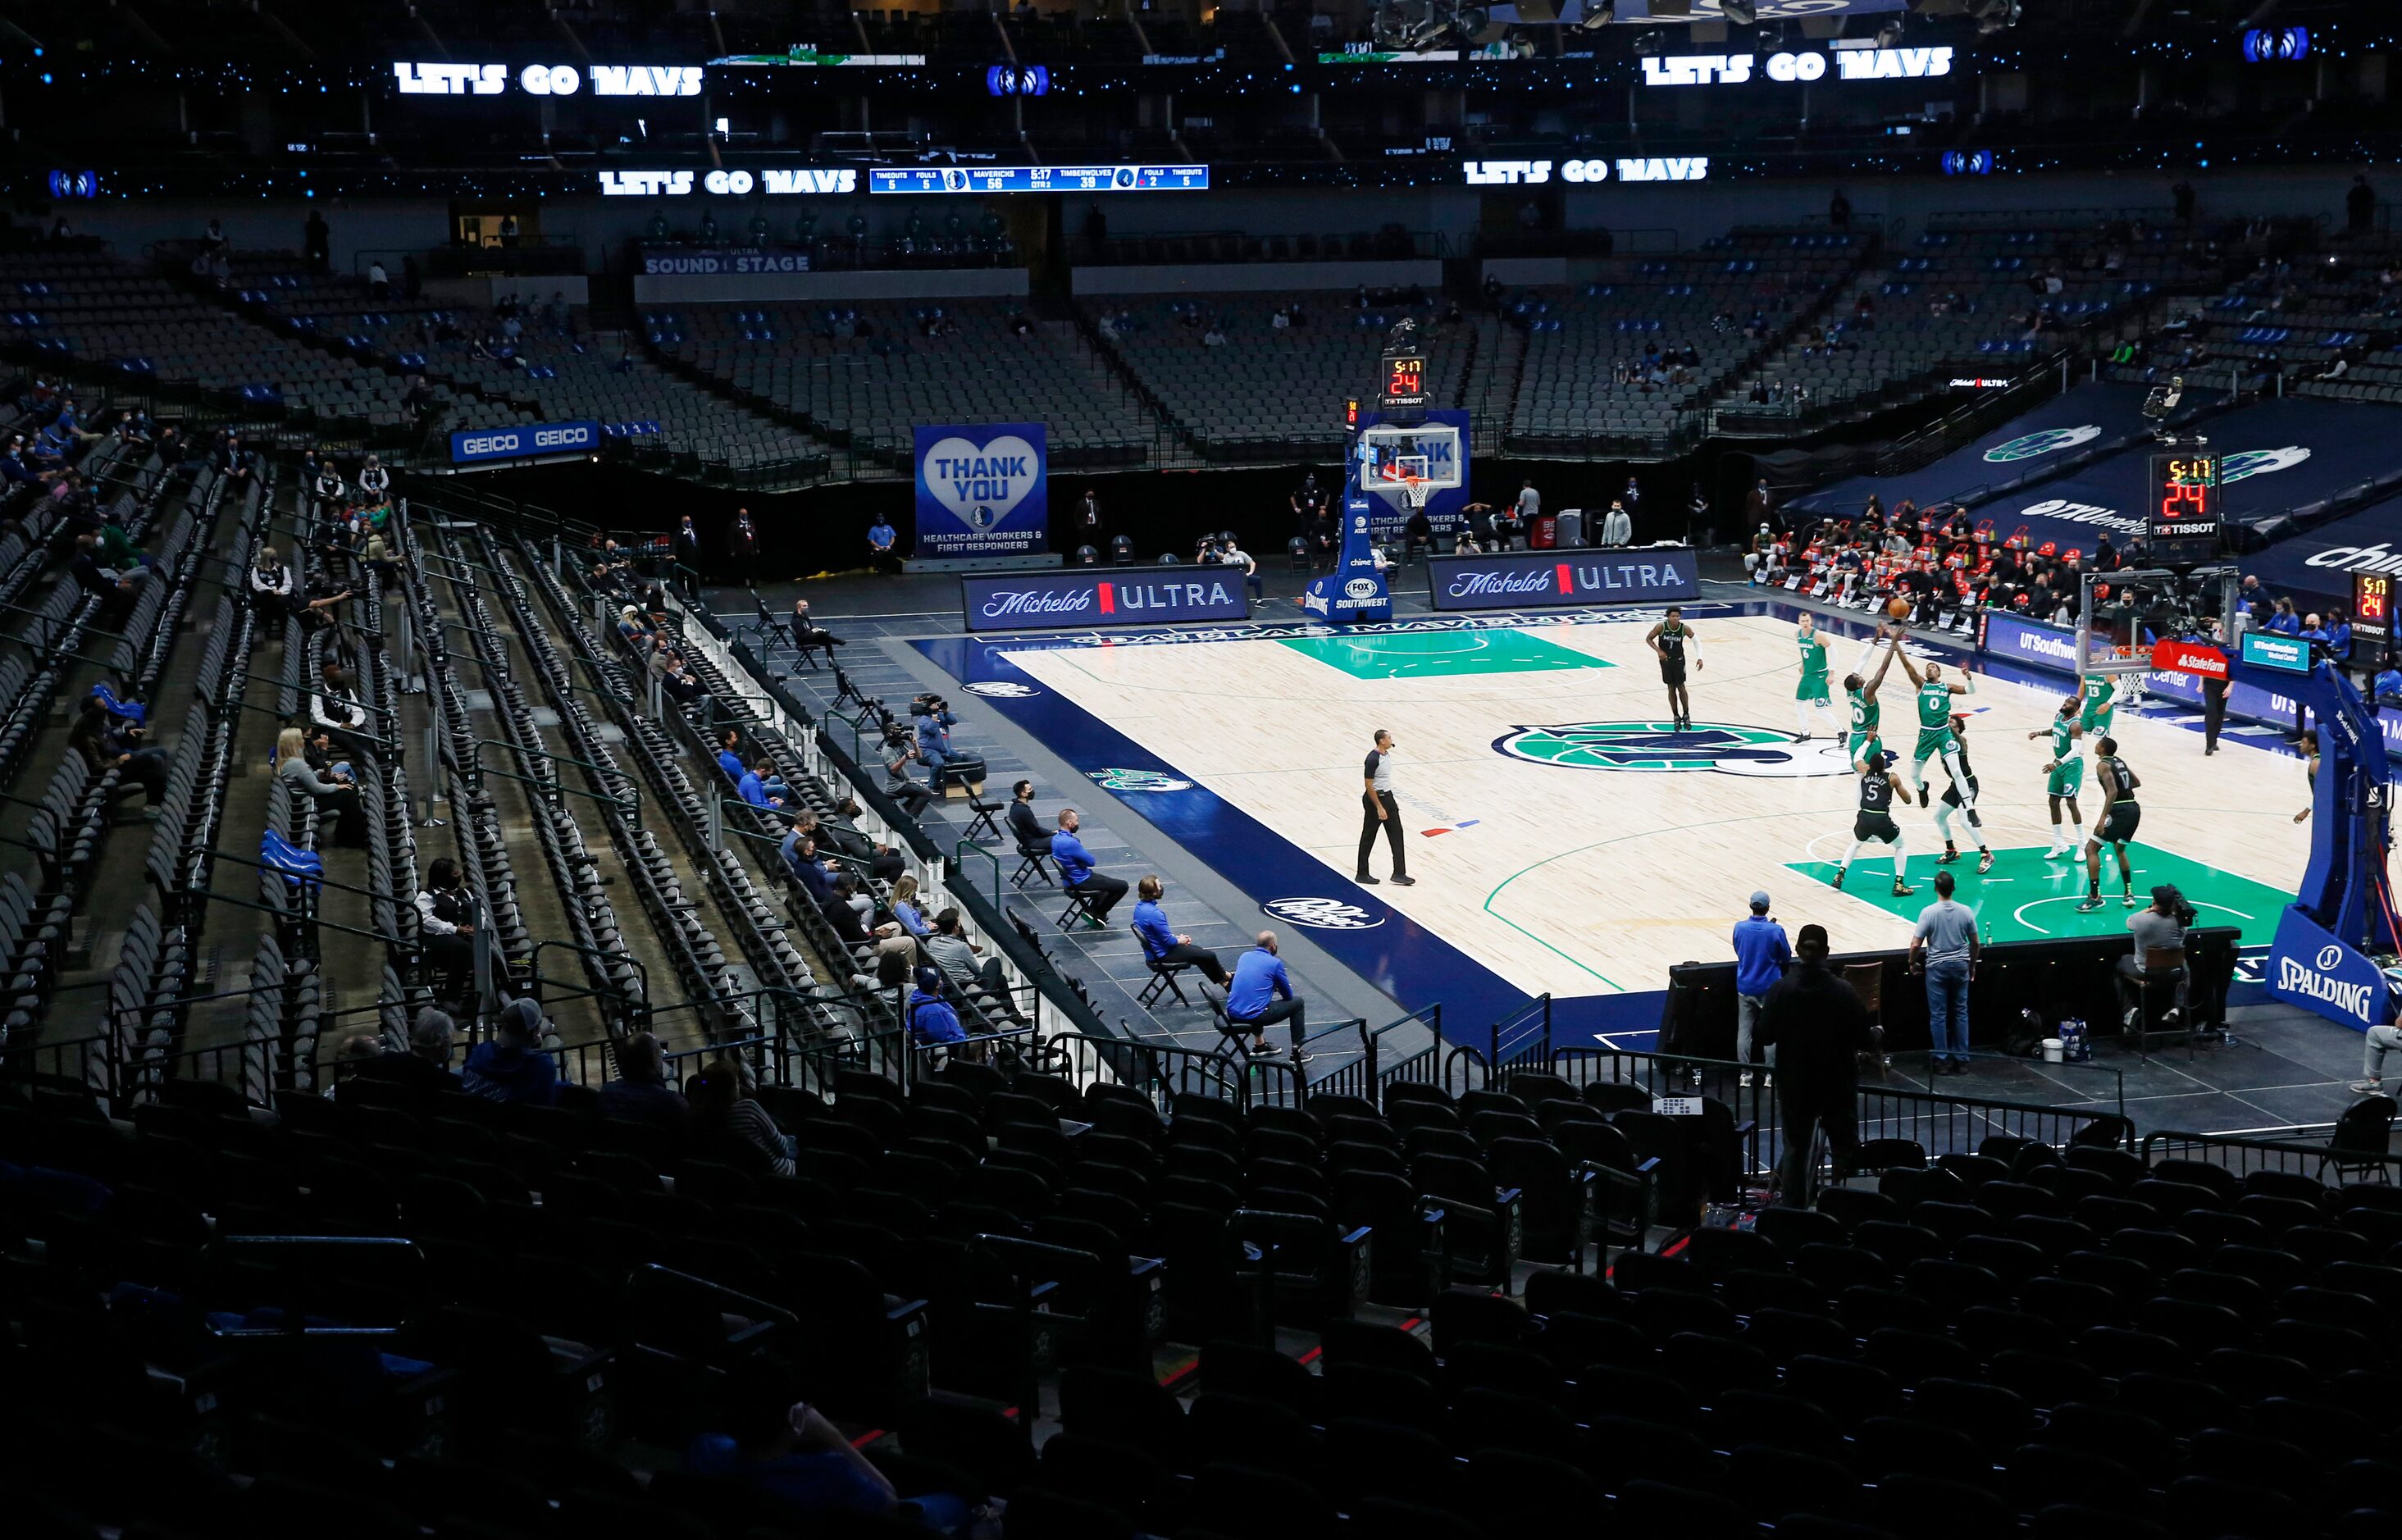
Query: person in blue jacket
{"type": "Point", "coordinates": [1101, 890]}
{"type": "Point", "coordinates": [760, 788]}
{"type": "Point", "coordinates": [1261, 995]}
{"type": "Point", "coordinates": [510, 1065]}
{"type": "Point", "coordinates": [1161, 943]}
{"type": "Point", "coordinates": [931, 1019]}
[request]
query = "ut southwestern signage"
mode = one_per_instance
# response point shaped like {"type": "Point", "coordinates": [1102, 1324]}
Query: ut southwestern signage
{"type": "Point", "coordinates": [1735, 69]}
{"type": "Point", "coordinates": [1116, 596]}
{"type": "Point", "coordinates": [2269, 650]}
{"type": "Point", "coordinates": [1527, 580]}
{"type": "Point", "coordinates": [417, 79]}
{"type": "Point", "coordinates": [472, 445]}
{"type": "Point", "coordinates": [981, 490]}
{"type": "Point", "coordinates": [1672, 168]}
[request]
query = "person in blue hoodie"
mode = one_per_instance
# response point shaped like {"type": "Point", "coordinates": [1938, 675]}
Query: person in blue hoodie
{"type": "Point", "coordinates": [510, 1065]}
{"type": "Point", "coordinates": [1101, 890]}
{"type": "Point", "coordinates": [1161, 942]}
{"type": "Point", "coordinates": [932, 1018]}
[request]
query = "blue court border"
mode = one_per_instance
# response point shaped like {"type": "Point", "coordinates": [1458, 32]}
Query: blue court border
{"type": "Point", "coordinates": [1411, 964]}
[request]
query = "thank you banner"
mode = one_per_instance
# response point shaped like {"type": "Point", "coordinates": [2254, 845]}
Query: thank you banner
{"type": "Point", "coordinates": [1527, 580]}
{"type": "Point", "coordinates": [1083, 596]}
{"type": "Point", "coordinates": [983, 490]}
{"type": "Point", "coordinates": [472, 446]}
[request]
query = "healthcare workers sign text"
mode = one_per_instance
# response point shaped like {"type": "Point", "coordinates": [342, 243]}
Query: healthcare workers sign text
{"type": "Point", "coordinates": [983, 490]}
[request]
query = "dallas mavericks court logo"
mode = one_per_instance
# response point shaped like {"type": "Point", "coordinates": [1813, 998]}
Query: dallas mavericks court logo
{"type": "Point", "coordinates": [1322, 914]}
{"type": "Point", "coordinates": [1001, 690]}
{"type": "Point", "coordinates": [1116, 779]}
{"type": "Point", "coordinates": [2050, 441]}
{"type": "Point", "coordinates": [1654, 746]}
{"type": "Point", "coordinates": [2261, 462]}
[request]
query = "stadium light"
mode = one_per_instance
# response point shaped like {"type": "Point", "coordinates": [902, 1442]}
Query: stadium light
{"type": "Point", "coordinates": [1597, 16]}
{"type": "Point", "coordinates": [1743, 13]}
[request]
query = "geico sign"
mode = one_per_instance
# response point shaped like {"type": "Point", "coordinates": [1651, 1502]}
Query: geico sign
{"type": "Point", "coordinates": [520, 439]}
{"type": "Point", "coordinates": [548, 79]}
{"type": "Point", "coordinates": [1734, 69]}
{"type": "Point", "coordinates": [1675, 168]}
{"type": "Point", "coordinates": [731, 184]}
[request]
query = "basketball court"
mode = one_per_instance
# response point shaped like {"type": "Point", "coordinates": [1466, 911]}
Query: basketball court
{"type": "Point", "coordinates": [1564, 838]}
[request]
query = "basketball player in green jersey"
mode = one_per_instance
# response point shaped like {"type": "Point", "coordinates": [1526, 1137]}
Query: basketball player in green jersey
{"type": "Point", "coordinates": [2113, 826]}
{"type": "Point", "coordinates": [1860, 694]}
{"type": "Point", "coordinates": [1875, 821]}
{"type": "Point", "coordinates": [1936, 739]}
{"type": "Point", "coordinates": [1961, 796]}
{"type": "Point", "coordinates": [1670, 639]}
{"type": "Point", "coordinates": [2101, 704]}
{"type": "Point", "coordinates": [2067, 773]}
{"type": "Point", "coordinates": [1812, 690]}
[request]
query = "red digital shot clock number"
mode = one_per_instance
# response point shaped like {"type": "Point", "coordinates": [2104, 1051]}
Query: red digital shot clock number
{"type": "Point", "coordinates": [1405, 379]}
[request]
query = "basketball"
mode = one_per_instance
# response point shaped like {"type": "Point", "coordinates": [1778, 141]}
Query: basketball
{"type": "Point", "coordinates": [1897, 607]}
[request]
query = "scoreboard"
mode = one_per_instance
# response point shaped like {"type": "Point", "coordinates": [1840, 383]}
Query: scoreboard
{"type": "Point", "coordinates": [2184, 525]}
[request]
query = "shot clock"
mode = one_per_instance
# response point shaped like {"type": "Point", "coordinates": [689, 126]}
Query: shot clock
{"type": "Point", "coordinates": [2184, 526]}
{"type": "Point", "coordinates": [2373, 619]}
{"type": "Point", "coordinates": [1405, 380]}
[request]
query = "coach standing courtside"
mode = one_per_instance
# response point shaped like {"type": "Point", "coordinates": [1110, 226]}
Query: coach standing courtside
{"type": "Point", "coordinates": [1378, 808]}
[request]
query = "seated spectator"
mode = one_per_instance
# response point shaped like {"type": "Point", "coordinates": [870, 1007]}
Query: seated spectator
{"type": "Point", "coordinates": [334, 799]}
{"type": "Point", "coordinates": [933, 726]}
{"type": "Point", "coordinates": [729, 759]}
{"type": "Point", "coordinates": [729, 1125]}
{"type": "Point", "coordinates": [117, 552]}
{"type": "Point", "coordinates": [675, 680]}
{"type": "Point", "coordinates": [446, 919]}
{"type": "Point", "coordinates": [114, 590]}
{"type": "Point", "coordinates": [882, 862]}
{"type": "Point", "coordinates": [962, 960]}
{"type": "Point", "coordinates": [775, 1444]}
{"type": "Point", "coordinates": [425, 1067]}
{"type": "Point", "coordinates": [639, 1092]}
{"type": "Point", "coordinates": [2387, 688]}
{"type": "Point", "coordinates": [882, 551]}
{"type": "Point", "coordinates": [634, 630]}
{"type": "Point", "coordinates": [1261, 995]}
{"type": "Point", "coordinates": [902, 906]}
{"type": "Point", "coordinates": [809, 872]}
{"type": "Point", "coordinates": [932, 1018]}
{"type": "Point", "coordinates": [337, 709]}
{"type": "Point", "coordinates": [382, 560]}
{"type": "Point", "coordinates": [511, 1067]}
{"type": "Point", "coordinates": [2155, 929]}
{"type": "Point", "coordinates": [2283, 621]}
{"type": "Point", "coordinates": [808, 637]}
{"type": "Point", "coordinates": [1101, 891]}
{"type": "Point", "coordinates": [1163, 944]}
{"type": "Point", "coordinates": [1024, 823]}
{"type": "Point", "coordinates": [761, 787]}
{"type": "Point", "coordinates": [107, 743]}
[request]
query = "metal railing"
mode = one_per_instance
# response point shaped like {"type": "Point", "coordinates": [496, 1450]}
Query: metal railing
{"type": "Point", "coordinates": [2242, 1156]}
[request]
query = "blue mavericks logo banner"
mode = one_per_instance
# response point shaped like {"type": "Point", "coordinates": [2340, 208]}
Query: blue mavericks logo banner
{"type": "Point", "coordinates": [982, 490]}
{"type": "Point", "coordinates": [1355, 591]}
{"type": "Point", "coordinates": [2312, 968]}
{"type": "Point", "coordinates": [1113, 595]}
{"type": "Point", "coordinates": [1522, 580]}
{"type": "Point", "coordinates": [474, 445]}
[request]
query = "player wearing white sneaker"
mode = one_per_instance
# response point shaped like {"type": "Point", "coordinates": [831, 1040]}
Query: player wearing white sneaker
{"type": "Point", "coordinates": [2067, 776]}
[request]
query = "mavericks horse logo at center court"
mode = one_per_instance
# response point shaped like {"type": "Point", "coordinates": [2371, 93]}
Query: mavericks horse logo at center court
{"type": "Point", "coordinates": [1723, 747]}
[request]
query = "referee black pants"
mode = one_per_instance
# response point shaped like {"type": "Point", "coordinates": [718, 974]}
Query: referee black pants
{"type": "Point", "coordinates": [1391, 823]}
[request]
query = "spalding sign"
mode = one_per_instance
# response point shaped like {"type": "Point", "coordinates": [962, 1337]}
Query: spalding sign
{"type": "Point", "coordinates": [470, 446]}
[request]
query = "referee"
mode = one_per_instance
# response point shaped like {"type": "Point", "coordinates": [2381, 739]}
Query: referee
{"type": "Point", "coordinates": [1377, 806]}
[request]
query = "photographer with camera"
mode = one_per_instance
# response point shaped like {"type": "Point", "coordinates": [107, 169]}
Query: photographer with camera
{"type": "Point", "coordinates": [2160, 928]}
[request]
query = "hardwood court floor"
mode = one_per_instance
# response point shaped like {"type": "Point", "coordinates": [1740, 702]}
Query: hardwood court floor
{"type": "Point", "coordinates": [1565, 839]}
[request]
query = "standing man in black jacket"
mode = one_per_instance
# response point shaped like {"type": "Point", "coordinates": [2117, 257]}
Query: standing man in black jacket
{"type": "Point", "coordinates": [1819, 1027]}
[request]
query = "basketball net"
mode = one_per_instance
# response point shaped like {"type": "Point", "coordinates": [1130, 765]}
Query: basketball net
{"type": "Point", "coordinates": [1413, 493]}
